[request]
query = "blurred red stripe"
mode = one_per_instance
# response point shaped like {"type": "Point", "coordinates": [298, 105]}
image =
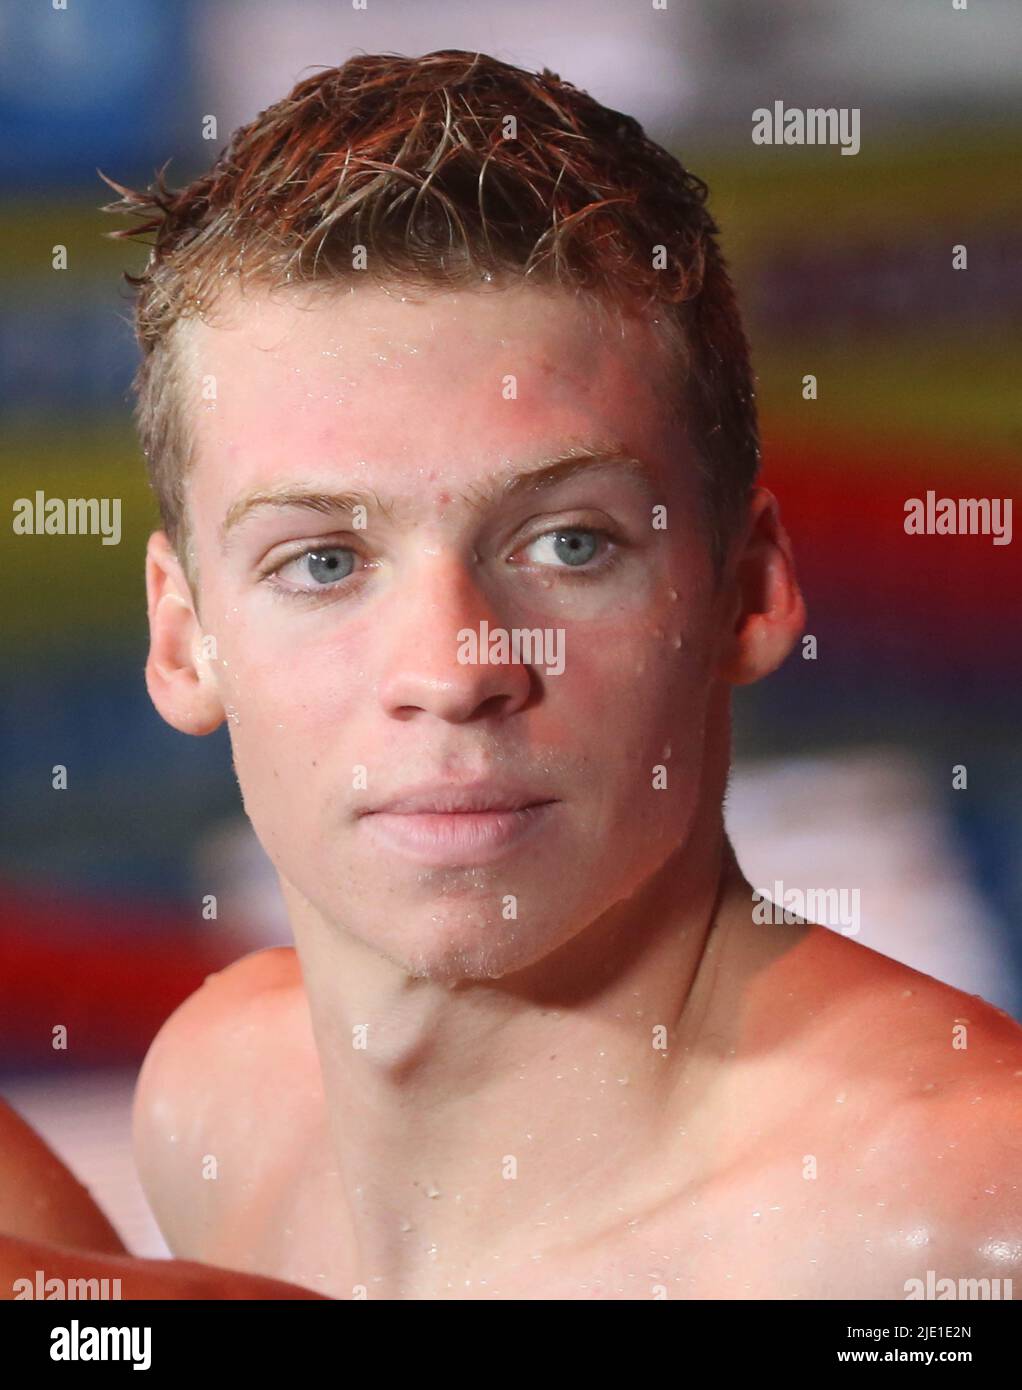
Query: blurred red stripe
{"type": "Point", "coordinates": [846, 520]}
{"type": "Point", "coordinates": [61, 964]}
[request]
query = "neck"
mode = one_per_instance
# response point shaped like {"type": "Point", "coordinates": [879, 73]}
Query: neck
{"type": "Point", "coordinates": [487, 1122]}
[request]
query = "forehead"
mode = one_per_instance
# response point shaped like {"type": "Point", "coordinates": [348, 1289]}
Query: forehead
{"type": "Point", "coordinates": [398, 387]}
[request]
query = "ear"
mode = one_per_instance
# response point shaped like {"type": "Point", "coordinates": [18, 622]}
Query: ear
{"type": "Point", "coordinates": [766, 611]}
{"type": "Point", "coordinates": [179, 679]}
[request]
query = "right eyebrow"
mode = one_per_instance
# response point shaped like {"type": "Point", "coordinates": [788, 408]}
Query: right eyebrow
{"type": "Point", "coordinates": [292, 495]}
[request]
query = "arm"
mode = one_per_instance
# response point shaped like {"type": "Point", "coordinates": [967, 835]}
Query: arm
{"type": "Point", "coordinates": [49, 1222]}
{"type": "Point", "coordinates": [41, 1199]}
{"type": "Point", "coordinates": [161, 1279]}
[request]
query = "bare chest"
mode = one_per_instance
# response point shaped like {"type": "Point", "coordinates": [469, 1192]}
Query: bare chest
{"type": "Point", "coordinates": [759, 1238]}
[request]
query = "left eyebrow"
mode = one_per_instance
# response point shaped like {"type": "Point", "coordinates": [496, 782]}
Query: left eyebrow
{"type": "Point", "coordinates": [508, 485]}
{"type": "Point", "coordinates": [552, 472]}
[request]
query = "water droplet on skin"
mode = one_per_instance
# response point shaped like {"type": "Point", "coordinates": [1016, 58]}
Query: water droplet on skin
{"type": "Point", "coordinates": [1003, 1251]}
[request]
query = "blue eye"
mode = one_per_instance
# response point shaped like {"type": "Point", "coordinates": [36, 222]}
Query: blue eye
{"type": "Point", "coordinates": [572, 546]}
{"type": "Point", "coordinates": [328, 565]}
{"type": "Point", "coordinates": [321, 568]}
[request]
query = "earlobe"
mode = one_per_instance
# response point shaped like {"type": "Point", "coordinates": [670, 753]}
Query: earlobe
{"type": "Point", "coordinates": [178, 677]}
{"type": "Point", "coordinates": [767, 611]}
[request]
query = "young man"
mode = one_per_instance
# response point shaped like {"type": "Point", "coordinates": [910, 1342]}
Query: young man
{"type": "Point", "coordinates": [449, 411]}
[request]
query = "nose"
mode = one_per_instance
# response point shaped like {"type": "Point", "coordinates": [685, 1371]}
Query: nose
{"type": "Point", "coordinates": [430, 667]}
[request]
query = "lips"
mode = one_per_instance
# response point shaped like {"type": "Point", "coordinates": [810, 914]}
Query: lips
{"type": "Point", "coordinates": [449, 825]}
{"type": "Point", "coordinates": [452, 799]}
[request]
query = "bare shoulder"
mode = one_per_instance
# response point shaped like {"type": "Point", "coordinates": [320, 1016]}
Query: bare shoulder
{"type": "Point", "coordinates": [211, 1075]}
{"type": "Point", "coordinates": [809, 986]}
{"type": "Point", "coordinates": [913, 1020]}
{"type": "Point", "coordinates": [912, 1088]}
{"type": "Point", "coordinates": [226, 1006]}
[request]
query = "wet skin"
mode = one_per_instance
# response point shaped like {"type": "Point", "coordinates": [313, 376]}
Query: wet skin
{"type": "Point", "coordinates": [553, 1057]}
{"type": "Point", "coordinates": [822, 1140]}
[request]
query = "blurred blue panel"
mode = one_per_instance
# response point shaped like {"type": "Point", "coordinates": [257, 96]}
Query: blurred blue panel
{"type": "Point", "coordinates": [98, 83]}
{"type": "Point", "coordinates": [67, 353]}
{"type": "Point", "coordinates": [139, 794]}
{"type": "Point", "coordinates": [77, 351]}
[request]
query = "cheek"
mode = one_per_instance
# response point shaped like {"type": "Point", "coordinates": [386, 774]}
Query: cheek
{"type": "Point", "coordinates": [632, 706]}
{"type": "Point", "coordinates": [287, 735]}
{"type": "Point", "coordinates": [288, 710]}
{"type": "Point", "coordinates": [638, 673]}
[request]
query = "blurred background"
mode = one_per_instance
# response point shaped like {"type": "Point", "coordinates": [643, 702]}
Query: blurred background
{"type": "Point", "coordinates": [844, 771]}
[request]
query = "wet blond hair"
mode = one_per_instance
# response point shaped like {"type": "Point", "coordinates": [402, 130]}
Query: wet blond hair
{"type": "Point", "coordinates": [445, 168]}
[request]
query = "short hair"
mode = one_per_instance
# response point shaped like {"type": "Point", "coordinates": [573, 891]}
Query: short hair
{"type": "Point", "coordinates": [444, 168]}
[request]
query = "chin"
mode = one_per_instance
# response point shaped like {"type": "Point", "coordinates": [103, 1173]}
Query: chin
{"type": "Point", "coordinates": [463, 946]}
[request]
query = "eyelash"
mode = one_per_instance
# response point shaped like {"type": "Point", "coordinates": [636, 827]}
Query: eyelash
{"type": "Point", "coordinates": [590, 574]}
